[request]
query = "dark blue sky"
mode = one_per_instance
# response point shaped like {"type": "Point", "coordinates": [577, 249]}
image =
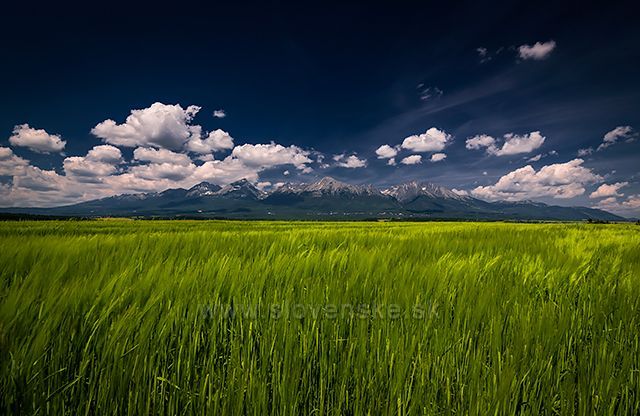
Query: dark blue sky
{"type": "Point", "coordinates": [342, 78]}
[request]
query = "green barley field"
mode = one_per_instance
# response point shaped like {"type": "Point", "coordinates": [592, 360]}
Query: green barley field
{"type": "Point", "coordinates": [212, 317]}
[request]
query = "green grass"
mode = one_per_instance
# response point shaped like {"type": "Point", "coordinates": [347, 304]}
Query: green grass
{"type": "Point", "coordinates": [134, 317]}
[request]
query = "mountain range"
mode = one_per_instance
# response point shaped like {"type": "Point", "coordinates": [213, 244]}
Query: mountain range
{"type": "Point", "coordinates": [327, 198]}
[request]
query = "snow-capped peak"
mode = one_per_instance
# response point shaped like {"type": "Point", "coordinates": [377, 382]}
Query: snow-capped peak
{"type": "Point", "coordinates": [203, 189]}
{"type": "Point", "coordinates": [331, 186]}
{"type": "Point", "coordinates": [241, 189]}
{"type": "Point", "coordinates": [411, 190]}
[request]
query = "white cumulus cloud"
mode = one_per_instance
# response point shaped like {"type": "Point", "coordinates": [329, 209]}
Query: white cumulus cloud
{"type": "Point", "coordinates": [480, 141]}
{"type": "Point", "coordinates": [437, 157]}
{"type": "Point", "coordinates": [412, 160]}
{"type": "Point", "coordinates": [99, 162]}
{"type": "Point", "coordinates": [537, 51]}
{"type": "Point", "coordinates": [272, 154]}
{"type": "Point", "coordinates": [615, 135]}
{"type": "Point", "coordinates": [225, 171]}
{"type": "Point", "coordinates": [10, 163]}
{"type": "Point", "coordinates": [160, 125]}
{"type": "Point", "coordinates": [148, 154]}
{"type": "Point", "coordinates": [513, 143]}
{"type": "Point", "coordinates": [433, 140]}
{"type": "Point", "coordinates": [105, 153]}
{"type": "Point", "coordinates": [349, 162]}
{"type": "Point", "coordinates": [606, 190]}
{"type": "Point", "coordinates": [386, 152]}
{"type": "Point", "coordinates": [39, 180]}
{"type": "Point", "coordinates": [560, 180]}
{"type": "Point", "coordinates": [216, 141]}
{"type": "Point", "coordinates": [84, 168]}
{"type": "Point", "coordinates": [629, 206]}
{"type": "Point", "coordinates": [158, 171]}
{"type": "Point", "coordinates": [37, 140]}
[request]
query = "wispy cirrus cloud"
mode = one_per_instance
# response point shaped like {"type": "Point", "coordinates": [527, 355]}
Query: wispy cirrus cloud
{"type": "Point", "coordinates": [428, 93]}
